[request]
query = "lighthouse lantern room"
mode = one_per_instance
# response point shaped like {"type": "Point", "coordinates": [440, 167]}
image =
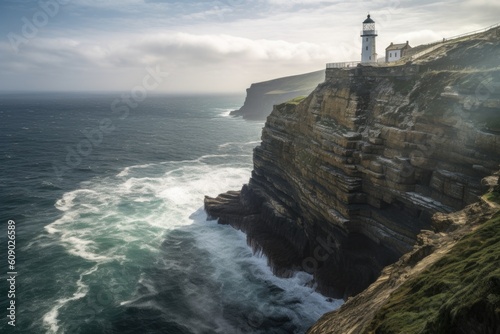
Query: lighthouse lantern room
{"type": "Point", "coordinates": [369, 50]}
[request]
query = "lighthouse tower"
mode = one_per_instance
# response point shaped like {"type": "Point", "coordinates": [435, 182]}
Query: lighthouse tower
{"type": "Point", "coordinates": [369, 49]}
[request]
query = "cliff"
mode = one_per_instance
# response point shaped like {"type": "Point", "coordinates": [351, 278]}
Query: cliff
{"type": "Point", "coordinates": [262, 96]}
{"type": "Point", "coordinates": [449, 282]}
{"type": "Point", "coordinates": [345, 180]}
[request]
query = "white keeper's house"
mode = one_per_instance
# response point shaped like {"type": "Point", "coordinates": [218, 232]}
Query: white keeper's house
{"type": "Point", "coordinates": [396, 51]}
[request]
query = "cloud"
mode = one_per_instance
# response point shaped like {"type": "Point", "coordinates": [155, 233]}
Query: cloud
{"type": "Point", "coordinates": [217, 48]}
{"type": "Point", "coordinates": [105, 44]}
{"type": "Point", "coordinates": [482, 3]}
{"type": "Point", "coordinates": [181, 53]}
{"type": "Point", "coordinates": [180, 47]}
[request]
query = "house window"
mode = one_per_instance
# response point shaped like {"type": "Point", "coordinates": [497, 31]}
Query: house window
{"type": "Point", "coordinates": [370, 58]}
{"type": "Point", "coordinates": [367, 39]}
{"type": "Point", "coordinates": [366, 48]}
{"type": "Point", "coordinates": [390, 54]}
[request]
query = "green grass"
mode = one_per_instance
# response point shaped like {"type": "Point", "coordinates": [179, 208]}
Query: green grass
{"type": "Point", "coordinates": [458, 294]}
{"type": "Point", "coordinates": [296, 100]}
{"type": "Point", "coordinates": [493, 197]}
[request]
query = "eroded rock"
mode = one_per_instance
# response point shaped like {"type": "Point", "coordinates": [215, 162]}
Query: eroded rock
{"type": "Point", "coordinates": [365, 161]}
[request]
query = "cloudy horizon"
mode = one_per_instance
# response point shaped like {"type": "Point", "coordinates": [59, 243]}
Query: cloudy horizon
{"type": "Point", "coordinates": [206, 46]}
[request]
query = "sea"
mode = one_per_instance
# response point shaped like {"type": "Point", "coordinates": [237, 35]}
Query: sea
{"type": "Point", "coordinates": [105, 200]}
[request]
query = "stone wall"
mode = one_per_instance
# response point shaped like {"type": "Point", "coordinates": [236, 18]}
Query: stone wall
{"type": "Point", "coordinates": [372, 71]}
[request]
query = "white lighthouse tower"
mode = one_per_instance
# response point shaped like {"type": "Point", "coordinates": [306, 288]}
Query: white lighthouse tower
{"type": "Point", "coordinates": [369, 49]}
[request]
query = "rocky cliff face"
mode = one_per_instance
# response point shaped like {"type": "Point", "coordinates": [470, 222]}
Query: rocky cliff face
{"type": "Point", "coordinates": [449, 282]}
{"type": "Point", "coordinates": [344, 181]}
{"type": "Point", "coordinates": [262, 96]}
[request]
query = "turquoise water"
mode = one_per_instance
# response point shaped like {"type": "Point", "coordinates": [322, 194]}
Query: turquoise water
{"type": "Point", "coordinates": [111, 236]}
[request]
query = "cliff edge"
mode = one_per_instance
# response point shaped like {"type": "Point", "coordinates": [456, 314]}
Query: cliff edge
{"type": "Point", "coordinates": [345, 181]}
{"type": "Point", "coordinates": [449, 282]}
{"type": "Point", "coordinates": [262, 96]}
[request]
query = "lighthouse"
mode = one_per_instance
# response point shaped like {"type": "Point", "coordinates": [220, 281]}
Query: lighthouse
{"type": "Point", "coordinates": [369, 34]}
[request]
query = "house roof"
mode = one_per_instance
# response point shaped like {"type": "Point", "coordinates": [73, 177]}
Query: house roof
{"type": "Point", "coordinates": [400, 46]}
{"type": "Point", "coordinates": [368, 19]}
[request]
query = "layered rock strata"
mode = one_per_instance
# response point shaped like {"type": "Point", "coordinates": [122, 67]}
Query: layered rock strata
{"type": "Point", "coordinates": [345, 181]}
{"type": "Point", "coordinates": [449, 282]}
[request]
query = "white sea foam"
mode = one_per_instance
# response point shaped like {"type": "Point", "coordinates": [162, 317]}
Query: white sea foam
{"type": "Point", "coordinates": [223, 112]}
{"type": "Point", "coordinates": [124, 172]}
{"type": "Point", "coordinates": [124, 219]}
{"type": "Point", "coordinates": [102, 222]}
{"type": "Point", "coordinates": [228, 250]}
{"type": "Point", "coordinates": [252, 143]}
{"type": "Point", "coordinates": [50, 320]}
{"type": "Point", "coordinates": [149, 290]}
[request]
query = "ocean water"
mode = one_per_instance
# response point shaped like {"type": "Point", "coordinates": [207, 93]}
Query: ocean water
{"type": "Point", "coordinates": [111, 235]}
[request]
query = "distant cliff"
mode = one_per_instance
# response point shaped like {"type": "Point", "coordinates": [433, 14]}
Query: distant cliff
{"type": "Point", "coordinates": [262, 96]}
{"type": "Point", "coordinates": [345, 180]}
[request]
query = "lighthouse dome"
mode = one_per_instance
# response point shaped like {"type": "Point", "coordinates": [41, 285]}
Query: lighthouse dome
{"type": "Point", "coordinates": [368, 19]}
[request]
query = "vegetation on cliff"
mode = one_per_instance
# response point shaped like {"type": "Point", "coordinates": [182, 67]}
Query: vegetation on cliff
{"type": "Point", "coordinates": [460, 293]}
{"type": "Point", "coordinates": [363, 163]}
{"type": "Point", "coordinates": [449, 282]}
{"type": "Point", "coordinates": [353, 177]}
{"type": "Point", "coordinates": [296, 100]}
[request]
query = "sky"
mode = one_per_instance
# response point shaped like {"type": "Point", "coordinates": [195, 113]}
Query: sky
{"type": "Point", "coordinates": [197, 46]}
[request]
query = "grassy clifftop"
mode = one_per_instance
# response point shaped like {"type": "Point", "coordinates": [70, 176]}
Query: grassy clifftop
{"type": "Point", "coordinates": [460, 293]}
{"type": "Point", "coordinates": [449, 283]}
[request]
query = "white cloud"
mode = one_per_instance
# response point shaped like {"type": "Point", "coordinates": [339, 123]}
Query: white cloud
{"type": "Point", "coordinates": [180, 53]}
{"type": "Point", "coordinates": [108, 43]}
